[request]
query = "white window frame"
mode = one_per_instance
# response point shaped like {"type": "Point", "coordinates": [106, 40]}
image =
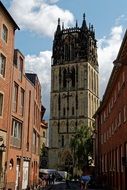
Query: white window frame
{"type": "Point", "coordinates": [5, 33]}
{"type": "Point", "coordinates": [2, 65]}
{"type": "Point", "coordinates": [16, 129]}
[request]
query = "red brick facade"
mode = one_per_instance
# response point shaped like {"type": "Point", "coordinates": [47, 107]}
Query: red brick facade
{"type": "Point", "coordinates": [20, 113]}
{"type": "Point", "coordinates": [7, 32]}
{"type": "Point", "coordinates": [111, 125]}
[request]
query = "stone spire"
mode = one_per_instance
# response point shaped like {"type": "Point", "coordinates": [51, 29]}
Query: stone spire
{"type": "Point", "coordinates": [58, 26]}
{"type": "Point", "coordinates": [84, 26]}
{"type": "Point", "coordinates": [76, 24]}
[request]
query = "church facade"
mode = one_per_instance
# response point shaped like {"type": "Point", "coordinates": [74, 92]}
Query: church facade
{"type": "Point", "coordinates": [74, 89]}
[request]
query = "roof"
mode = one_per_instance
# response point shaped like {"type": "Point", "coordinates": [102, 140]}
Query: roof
{"type": "Point", "coordinates": [9, 16]}
{"type": "Point", "coordinates": [32, 77]}
{"type": "Point", "coordinates": [124, 42]}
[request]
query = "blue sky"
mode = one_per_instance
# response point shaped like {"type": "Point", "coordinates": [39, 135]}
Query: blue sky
{"type": "Point", "coordinates": [37, 20]}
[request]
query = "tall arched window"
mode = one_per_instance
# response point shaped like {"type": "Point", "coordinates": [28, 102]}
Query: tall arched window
{"type": "Point", "coordinates": [64, 78]}
{"type": "Point", "coordinates": [72, 52]}
{"type": "Point", "coordinates": [67, 52]}
{"type": "Point", "coordinates": [59, 106]}
{"type": "Point", "coordinates": [62, 141]}
{"type": "Point", "coordinates": [73, 77]}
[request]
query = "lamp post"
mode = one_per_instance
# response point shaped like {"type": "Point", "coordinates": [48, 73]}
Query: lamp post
{"type": "Point", "coordinates": [2, 147]}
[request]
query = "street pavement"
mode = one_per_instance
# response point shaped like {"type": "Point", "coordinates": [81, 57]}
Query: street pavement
{"type": "Point", "coordinates": [64, 186]}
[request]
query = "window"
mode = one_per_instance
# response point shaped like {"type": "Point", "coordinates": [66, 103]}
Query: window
{"type": "Point", "coordinates": [102, 139]}
{"type": "Point", "coordinates": [15, 103]}
{"type": "Point", "coordinates": [115, 96]}
{"type": "Point", "coordinates": [64, 111]}
{"type": "Point", "coordinates": [124, 113]}
{"type": "Point", "coordinates": [62, 141]}
{"type": "Point", "coordinates": [16, 131]}
{"type": "Point", "coordinates": [123, 77]}
{"type": "Point", "coordinates": [4, 33]}
{"type": "Point", "coordinates": [2, 64]}
{"type": "Point", "coordinates": [73, 110]}
{"type": "Point", "coordinates": [119, 119]}
{"type": "Point", "coordinates": [1, 103]}
{"type": "Point", "coordinates": [20, 68]}
{"type": "Point", "coordinates": [34, 142]}
{"type": "Point", "coordinates": [118, 86]}
{"type": "Point", "coordinates": [44, 134]}
{"type": "Point", "coordinates": [22, 101]}
{"type": "Point", "coordinates": [38, 143]}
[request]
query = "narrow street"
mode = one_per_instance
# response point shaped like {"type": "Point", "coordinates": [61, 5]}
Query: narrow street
{"type": "Point", "coordinates": [63, 186]}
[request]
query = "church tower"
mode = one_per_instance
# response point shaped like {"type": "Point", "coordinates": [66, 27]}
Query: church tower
{"type": "Point", "coordinates": [74, 89]}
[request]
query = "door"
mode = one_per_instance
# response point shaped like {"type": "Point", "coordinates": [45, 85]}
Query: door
{"type": "Point", "coordinates": [17, 177]}
{"type": "Point", "coordinates": [25, 179]}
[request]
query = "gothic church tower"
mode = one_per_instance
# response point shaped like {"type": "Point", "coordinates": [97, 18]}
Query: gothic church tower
{"type": "Point", "coordinates": [74, 89]}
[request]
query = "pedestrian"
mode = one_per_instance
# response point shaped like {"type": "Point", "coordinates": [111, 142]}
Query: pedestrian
{"type": "Point", "coordinates": [53, 178]}
{"type": "Point", "coordinates": [85, 178]}
{"type": "Point", "coordinates": [67, 181]}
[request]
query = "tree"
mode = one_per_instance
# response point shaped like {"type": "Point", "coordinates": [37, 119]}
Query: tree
{"type": "Point", "coordinates": [43, 156]}
{"type": "Point", "coordinates": [81, 146]}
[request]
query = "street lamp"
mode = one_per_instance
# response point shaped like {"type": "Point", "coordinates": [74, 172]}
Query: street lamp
{"type": "Point", "coordinates": [2, 147]}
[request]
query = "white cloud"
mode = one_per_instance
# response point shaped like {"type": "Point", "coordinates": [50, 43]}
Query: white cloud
{"type": "Point", "coordinates": [39, 16]}
{"type": "Point", "coordinates": [41, 64]}
{"type": "Point", "coordinates": [108, 48]}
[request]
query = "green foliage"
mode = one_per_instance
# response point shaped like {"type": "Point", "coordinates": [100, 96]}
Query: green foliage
{"type": "Point", "coordinates": [82, 146]}
{"type": "Point", "coordinates": [42, 149]}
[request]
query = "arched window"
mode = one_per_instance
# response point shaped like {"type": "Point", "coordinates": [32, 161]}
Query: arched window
{"type": "Point", "coordinates": [72, 52]}
{"type": "Point", "coordinates": [73, 111]}
{"type": "Point", "coordinates": [64, 111]}
{"type": "Point", "coordinates": [67, 52]}
{"type": "Point", "coordinates": [62, 141]}
{"type": "Point", "coordinates": [73, 77]}
{"type": "Point", "coordinates": [59, 102]}
{"type": "Point", "coordinates": [64, 78]}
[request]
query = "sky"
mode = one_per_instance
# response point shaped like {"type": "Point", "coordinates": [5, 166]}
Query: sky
{"type": "Point", "coordinates": [37, 20]}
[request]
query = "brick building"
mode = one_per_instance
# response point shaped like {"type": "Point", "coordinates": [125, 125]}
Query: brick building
{"type": "Point", "coordinates": [111, 125]}
{"type": "Point", "coordinates": [43, 140]}
{"type": "Point", "coordinates": [20, 113]}
{"type": "Point", "coordinates": [7, 32]}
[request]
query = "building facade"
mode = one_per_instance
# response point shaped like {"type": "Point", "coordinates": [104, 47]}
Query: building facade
{"type": "Point", "coordinates": [111, 126]}
{"type": "Point", "coordinates": [20, 113]}
{"type": "Point", "coordinates": [74, 89]}
{"type": "Point", "coordinates": [43, 141]}
{"type": "Point", "coordinates": [7, 33]}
